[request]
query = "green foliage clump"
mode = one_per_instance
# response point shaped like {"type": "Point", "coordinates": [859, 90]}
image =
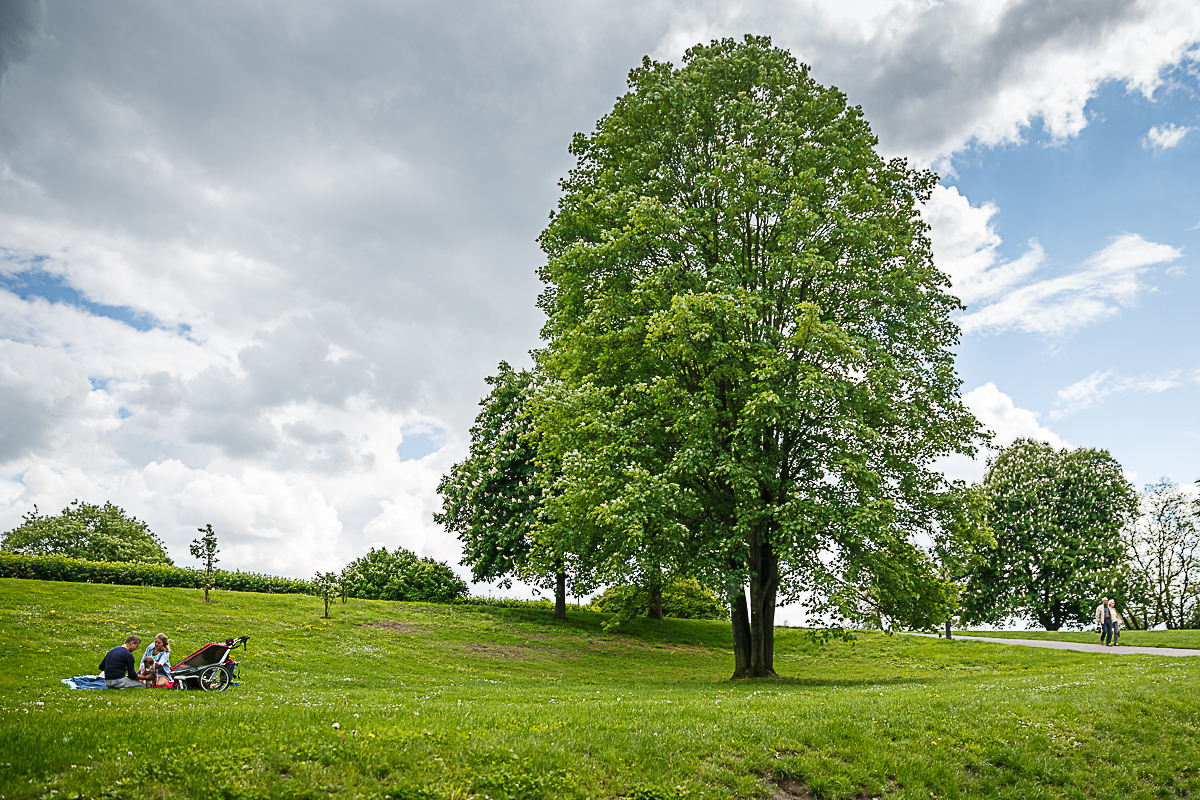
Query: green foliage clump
{"type": "Point", "coordinates": [87, 531]}
{"type": "Point", "coordinates": [401, 575]}
{"type": "Point", "coordinates": [60, 568]}
{"type": "Point", "coordinates": [504, 602]}
{"type": "Point", "coordinates": [683, 598]}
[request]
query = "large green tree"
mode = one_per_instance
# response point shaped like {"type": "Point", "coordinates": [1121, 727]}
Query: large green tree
{"type": "Point", "coordinates": [84, 530]}
{"type": "Point", "coordinates": [492, 498]}
{"type": "Point", "coordinates": [1057, 516]}
{"type": "Point", "coordinates": [749, 346]}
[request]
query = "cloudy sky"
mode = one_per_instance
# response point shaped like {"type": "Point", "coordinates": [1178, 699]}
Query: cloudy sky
{"type": "Point", "coordinates": [257, 258]}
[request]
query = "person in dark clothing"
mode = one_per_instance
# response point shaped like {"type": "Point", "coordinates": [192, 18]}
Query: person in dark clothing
{"type": "Point", "coordinates": [119, 667]}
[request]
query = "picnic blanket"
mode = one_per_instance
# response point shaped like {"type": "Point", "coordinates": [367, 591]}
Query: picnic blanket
{"type": "Point", "coordinates": [85, 682]}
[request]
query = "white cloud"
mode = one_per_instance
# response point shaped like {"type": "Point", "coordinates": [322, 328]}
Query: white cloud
{"type": "Point", "coordinates": [1006, 420]}
{"type": "Point", "coordinates": [43, 395]}
{"type": "Point", "coordinates": [1003, 295]}
{"type": "Point", "coordinates": [1100, 384]}
{"type": "Point", "coordinates": [937, 77]}
{"type": "Point", "coordinates": [331, 221]}
{"type": "Point", "coordinates": [965, 247]}
{"type": "Point", "coordinates": [1162, 137]}
{"type": "Point", "coordinates": [1108, 281]}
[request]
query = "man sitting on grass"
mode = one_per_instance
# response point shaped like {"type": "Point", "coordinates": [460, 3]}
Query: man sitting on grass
{"type": "Point", "coordinates": [119, 669]}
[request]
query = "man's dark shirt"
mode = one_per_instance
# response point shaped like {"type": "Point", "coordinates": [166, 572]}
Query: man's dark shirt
{"type": "Point", "coordinates": [118, 663]}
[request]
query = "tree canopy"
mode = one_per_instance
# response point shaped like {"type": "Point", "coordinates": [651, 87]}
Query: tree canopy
{"type": "Point", "coordinates": [492, 498]}
{"type": "Point", "coordinates": [83, 530]}
{"type": "Point", "coordinates": [1058, 517]}
{"type": "Point", "coordinates": [748, 348]}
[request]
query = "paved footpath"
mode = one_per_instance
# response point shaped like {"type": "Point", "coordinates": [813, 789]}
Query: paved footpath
{"type": "Point", "coordinates": [1083, 647]}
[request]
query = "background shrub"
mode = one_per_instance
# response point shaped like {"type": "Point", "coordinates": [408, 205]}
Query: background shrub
{"type": "Point", "coordinates": [683, 598]}
{"type": "Point", "coordinates": [83, 530]}
{"type": "Point", "coordinates": [401, 575]}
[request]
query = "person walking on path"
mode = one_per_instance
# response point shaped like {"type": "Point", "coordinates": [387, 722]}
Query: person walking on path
{"type": "Point", "coordinates": [1100, 612]}
{"type": "Point", "coordinates": [1104, 621]}
{"type": "Point", "coordinates": [1104, 615]}
{"type": "Point", "coordinates": [1117, 621]}
{"type": "Point", "coordinates": [119, 668]}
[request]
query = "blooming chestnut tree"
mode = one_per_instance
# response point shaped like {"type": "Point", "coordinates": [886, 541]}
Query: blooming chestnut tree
{"type": "Point", "coordinates": [1057, 516]}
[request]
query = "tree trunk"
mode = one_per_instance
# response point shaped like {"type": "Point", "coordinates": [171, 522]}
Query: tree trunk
{"type": "Point", "coordinates": [560, 592]}
{"type": "Point", "coordinates": [656, 609]}
{"type": "Point", "coordinates": [947, 627]}
{"type": "Point", "coordinates": [736, 593]}
{"type": "Point", "coordinates": [764, 584]}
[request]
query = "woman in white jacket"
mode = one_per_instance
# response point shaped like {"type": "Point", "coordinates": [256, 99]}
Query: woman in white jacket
{"type": "Point", "coordinates": [1118, 621]}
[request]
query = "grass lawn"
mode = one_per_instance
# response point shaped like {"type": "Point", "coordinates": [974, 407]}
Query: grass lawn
{"type": "Point", "coordinates": [1185, 639]}
{"type": "Point", "coordinates": [470, 702]}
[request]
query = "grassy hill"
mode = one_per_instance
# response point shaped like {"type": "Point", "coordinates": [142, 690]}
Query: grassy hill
{"type": "Point", "coordinates": [476, 702]}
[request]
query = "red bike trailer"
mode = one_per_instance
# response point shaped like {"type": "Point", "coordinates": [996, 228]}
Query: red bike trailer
{"type": "Point", "coordinates": [210, 668]}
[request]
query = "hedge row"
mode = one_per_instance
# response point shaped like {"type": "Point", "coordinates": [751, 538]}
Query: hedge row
{"type": "Point", "coordinates": [60, 568]}
{"type": "Point", "coordinates": [503, 602]}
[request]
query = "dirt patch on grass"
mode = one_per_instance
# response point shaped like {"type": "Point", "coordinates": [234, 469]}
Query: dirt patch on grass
{"type": "Point", "coordinates": [788, 788]}
{"type": "Point", "coordinates": [522, 652]}
{"type": "Point", "coordinates": [624, 643]}
{"type": "Point", "coordinates": [394, 627]}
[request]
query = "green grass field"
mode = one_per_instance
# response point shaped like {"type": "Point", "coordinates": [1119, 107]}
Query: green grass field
{"type": "Point", "coordinates": [477, 702]}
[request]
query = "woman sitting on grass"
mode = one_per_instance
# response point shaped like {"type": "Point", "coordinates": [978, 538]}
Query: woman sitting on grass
{"type": "Point", "coordinates": [160, 653]}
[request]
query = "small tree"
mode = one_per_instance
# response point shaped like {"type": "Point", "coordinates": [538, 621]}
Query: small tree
{"type": "Point", "coordinates": [678, 598]}
{"type": "Point", "coordinates": [205, 549]}
{"type": "Point", "coordinates": [326, 584]}
{"type": "Point", "coordinates": [401, 576]}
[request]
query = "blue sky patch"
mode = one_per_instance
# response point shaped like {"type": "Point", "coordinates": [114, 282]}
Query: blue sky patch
{"type": "Point", "coordinates": [418, 444]}
{"type": "Point", "coordinates": [37, 282]}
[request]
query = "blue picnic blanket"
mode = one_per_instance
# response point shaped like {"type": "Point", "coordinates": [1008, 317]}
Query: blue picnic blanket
{"type": "Point", "coordinates": [85, 682]}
